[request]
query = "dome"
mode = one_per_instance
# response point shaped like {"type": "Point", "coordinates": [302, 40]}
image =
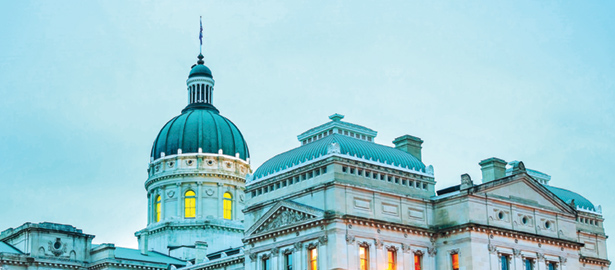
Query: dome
{"type": "Point", "coordinates": [567, 196]}
{"type": "Point", "coordinates": [200, 70]}
{"type": "Point", "coordinates": [348, 146]}
{"type": "Point", "coordinates": [200, 126]}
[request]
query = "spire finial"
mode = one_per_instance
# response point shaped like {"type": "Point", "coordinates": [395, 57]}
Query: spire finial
{"type": "Point", "coordinates": [200, 57]}
{"type": "Point", "coordinates": [201, 35]}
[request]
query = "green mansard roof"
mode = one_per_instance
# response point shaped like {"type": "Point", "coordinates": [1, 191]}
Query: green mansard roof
{"type": "Point", "coordinates": [351, 147]}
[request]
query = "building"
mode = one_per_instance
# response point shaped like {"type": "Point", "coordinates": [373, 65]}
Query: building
{"type": "Point", "coordinates": [337, 201]}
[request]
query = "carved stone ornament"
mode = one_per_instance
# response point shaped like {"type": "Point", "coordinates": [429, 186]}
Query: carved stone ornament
{"type": "Point", "coordinates": [323, 239]}
{"type": "Point", "coordinates": [391, 248]}
{"type": "Point", "coordinates": [492, 249]}
{"type": "Point", "coordinates": [298, 246]}
{"type": "Point", "coordinates": [312, 245]}
{"type": "Point", "coordinates": [466, 181]}
{"type": "Point", "coordinates": [284, 218]}
{"type": "Point", "coordinates": [418, 252]}
{"type": "Point", "coordinates": [349, 239]}
{"type": "Point", "coordinates": [454, 251]}
{"type": "Point", "coordinates": [333, 148]}
{"type": "Point", "coordinates": [516, 252]}
{"type": "Point", "coordinates": [288, 251]}
{"type": "Point", "coordinates": [171, 193]}
{"type": "Point", "coordinates": [275, 251]}
{"type": "Point", "coordinates": [209, 191]}
{"type": "Point", "coordinates": [241, 197]}
{"type": "Point", "coordinates": [563, 260]}
{"type": "Point", "coordinates": [432, 251]}
{"type": "Point", "coordinates": [405, 248]}
{"type": "Point", "coordinates": [378, 243]}
{"type": "Point", "coordinates": [58, 248]}
{"type": "Point", "coordinates": [253, 256]}
{"type": "Point", "coordinates": [540, 256]}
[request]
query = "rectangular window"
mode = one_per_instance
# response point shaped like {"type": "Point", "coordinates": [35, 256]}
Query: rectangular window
{"type": "Point", "coordinates": [391, 260]}
{"type": "Point", "coordinates": [363, 258]}
{"type": "Point", "coordinates": [418, 264]}
{"type": "Point", "coordinates": [528, 264]}
{"type": "Point", "coordinates": [288, 261]}
{"type": "Point", "coordinates": [455, 261]}
{"type": "Point", "coordinates": [505, 262]}
{"type": "Point", "coordinates": [266, 264]}
{"type": "Point", "coordinates": [313, 259]}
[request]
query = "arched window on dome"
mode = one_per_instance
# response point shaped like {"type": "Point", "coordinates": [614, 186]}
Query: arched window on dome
{"type": "Point", "coordinates": [157, 208]}
{"type": "Point", "coordinates": [227, 205]}
{"type": "Point", "coordinates": [189, 204]}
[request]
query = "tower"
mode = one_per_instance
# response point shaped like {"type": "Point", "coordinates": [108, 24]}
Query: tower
{"type": "Point", "coordinates": [196, 178]}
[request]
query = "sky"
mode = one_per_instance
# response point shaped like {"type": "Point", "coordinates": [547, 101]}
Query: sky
{"type": "Point", "coordinates": [86, 86]}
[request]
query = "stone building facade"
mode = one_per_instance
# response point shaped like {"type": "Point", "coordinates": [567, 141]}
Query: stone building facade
{"type": "Point", "coordinates": [337, 201]}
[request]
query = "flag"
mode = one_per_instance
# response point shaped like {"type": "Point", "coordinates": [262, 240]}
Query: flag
{"type": "Point", "coordinates": [201, 33]}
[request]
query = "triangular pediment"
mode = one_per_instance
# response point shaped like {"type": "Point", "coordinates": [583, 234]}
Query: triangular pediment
{"type": "Point", "coordinates": [284, 214]}
{"type": "Point", "coordinates": [522, 188]}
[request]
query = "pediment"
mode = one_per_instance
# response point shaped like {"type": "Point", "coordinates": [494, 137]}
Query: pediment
{"type": "Point", "coordinates": [524, 189]}
{"type": "Point", "coordinates": [284, 214]}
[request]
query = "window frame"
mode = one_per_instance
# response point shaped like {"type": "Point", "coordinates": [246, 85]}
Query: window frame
{"type": "Point", "coordinates": [392, 259]}
{"type": "Point", "coordinates": [157, 208]}
{"type": "Point", "coordinates": [365, 247]}
{"type": "Point", "coordinates": [312, 260]}
{"type": "Point", "coordinates": [190, 198]}
{"type": "Point", "coordinates": [227, 206]}
{"type": "Point", "coordinates": [418, 260]}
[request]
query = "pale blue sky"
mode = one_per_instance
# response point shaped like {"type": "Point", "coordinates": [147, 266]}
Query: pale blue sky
{"type": "Point", "coordinates": [87, 85]}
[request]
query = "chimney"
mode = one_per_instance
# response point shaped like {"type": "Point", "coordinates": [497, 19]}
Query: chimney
{"type": "Point", "coordinates": [143, 244]}
{"type": "Point", "coordinates": [492, 168]}
{"type": "Point", "coordinates": [409, 144]}
{"type": "Point", "coordinates": [201, 252]}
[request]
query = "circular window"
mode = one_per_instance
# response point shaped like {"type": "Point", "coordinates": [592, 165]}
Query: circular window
{"type": "Point", "coordinates": [189, 162]}
{"type": "Point", "coordinates": [57, 245]}
{"type": "Point", "coordinates": [524, 220]}
{"type": "Point", "coordinates": [171, 164]}
{"type": "Point", "coordinates": [210, 162]}
{"type": "Point", "coordinates": [501, 215]}
{"type": "Point", "coordinates": [548, 224]}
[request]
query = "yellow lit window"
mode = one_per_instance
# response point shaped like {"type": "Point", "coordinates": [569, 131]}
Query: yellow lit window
{"type": "Point", "coordinates": [391, 256]}
{"type": "Point", "coordinates": [158, 208]}
{"type": "Point", "coordinates": [189, 204]}
{"type": "Point", "coordinates": [313, 258]}
{"type": "Point", "coordinates": [227, 205]}
{"type": "Point", "coordinates": [455, 261]}
{"type": "Point", "coordinates": [363, 258]}
{"type": "Point", "coordinates": [417, 262]}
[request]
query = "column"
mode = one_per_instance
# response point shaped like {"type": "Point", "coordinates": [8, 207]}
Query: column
{"type": "Point", "coordinates": [322, 253]}
{"type": "Point", "coordinates": [199, 200]}
{"type": "Point", "coordinates": [376, 256]}
{"type": "Point", "coordinates": [235, 204]}
{"type": "Point", "coordinates": [149, 208]}
{"type": "Point", "coordinates": [163, 199]}
{"type": "Point", "coordinates": [407, 261]}
{"type": "Point", "coordinates": [179, 201]}
{"type": "Point", "coordinates": [353, 252]}
{"type": "Point", "coordinates": [220, 205]}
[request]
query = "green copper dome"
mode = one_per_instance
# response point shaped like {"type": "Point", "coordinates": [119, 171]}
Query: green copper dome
{"type": "Point", "coordinates": [200, 126]}
{"type": "Point", "coordinates": [568, 196]}
{"type": "Point", "coordinates": [200, 70]}
{"type": "Point", "coordinates": [347, 146]}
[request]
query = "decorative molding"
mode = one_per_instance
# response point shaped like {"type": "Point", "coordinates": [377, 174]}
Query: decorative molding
{"type": "Point", "coordinates": [312, 245]}
{"type": "Point", "coordinates": [283, 218]}
{"type": "Point", "coordinates": [298, 246]}
{"type": "Point", "coordinates": [563, 260]}
{"type": "Point", "coordinates": [454, 251]}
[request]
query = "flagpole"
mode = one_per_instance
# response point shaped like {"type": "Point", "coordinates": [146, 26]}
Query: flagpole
{"type": "Point", "coordinates": [201, 35]}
